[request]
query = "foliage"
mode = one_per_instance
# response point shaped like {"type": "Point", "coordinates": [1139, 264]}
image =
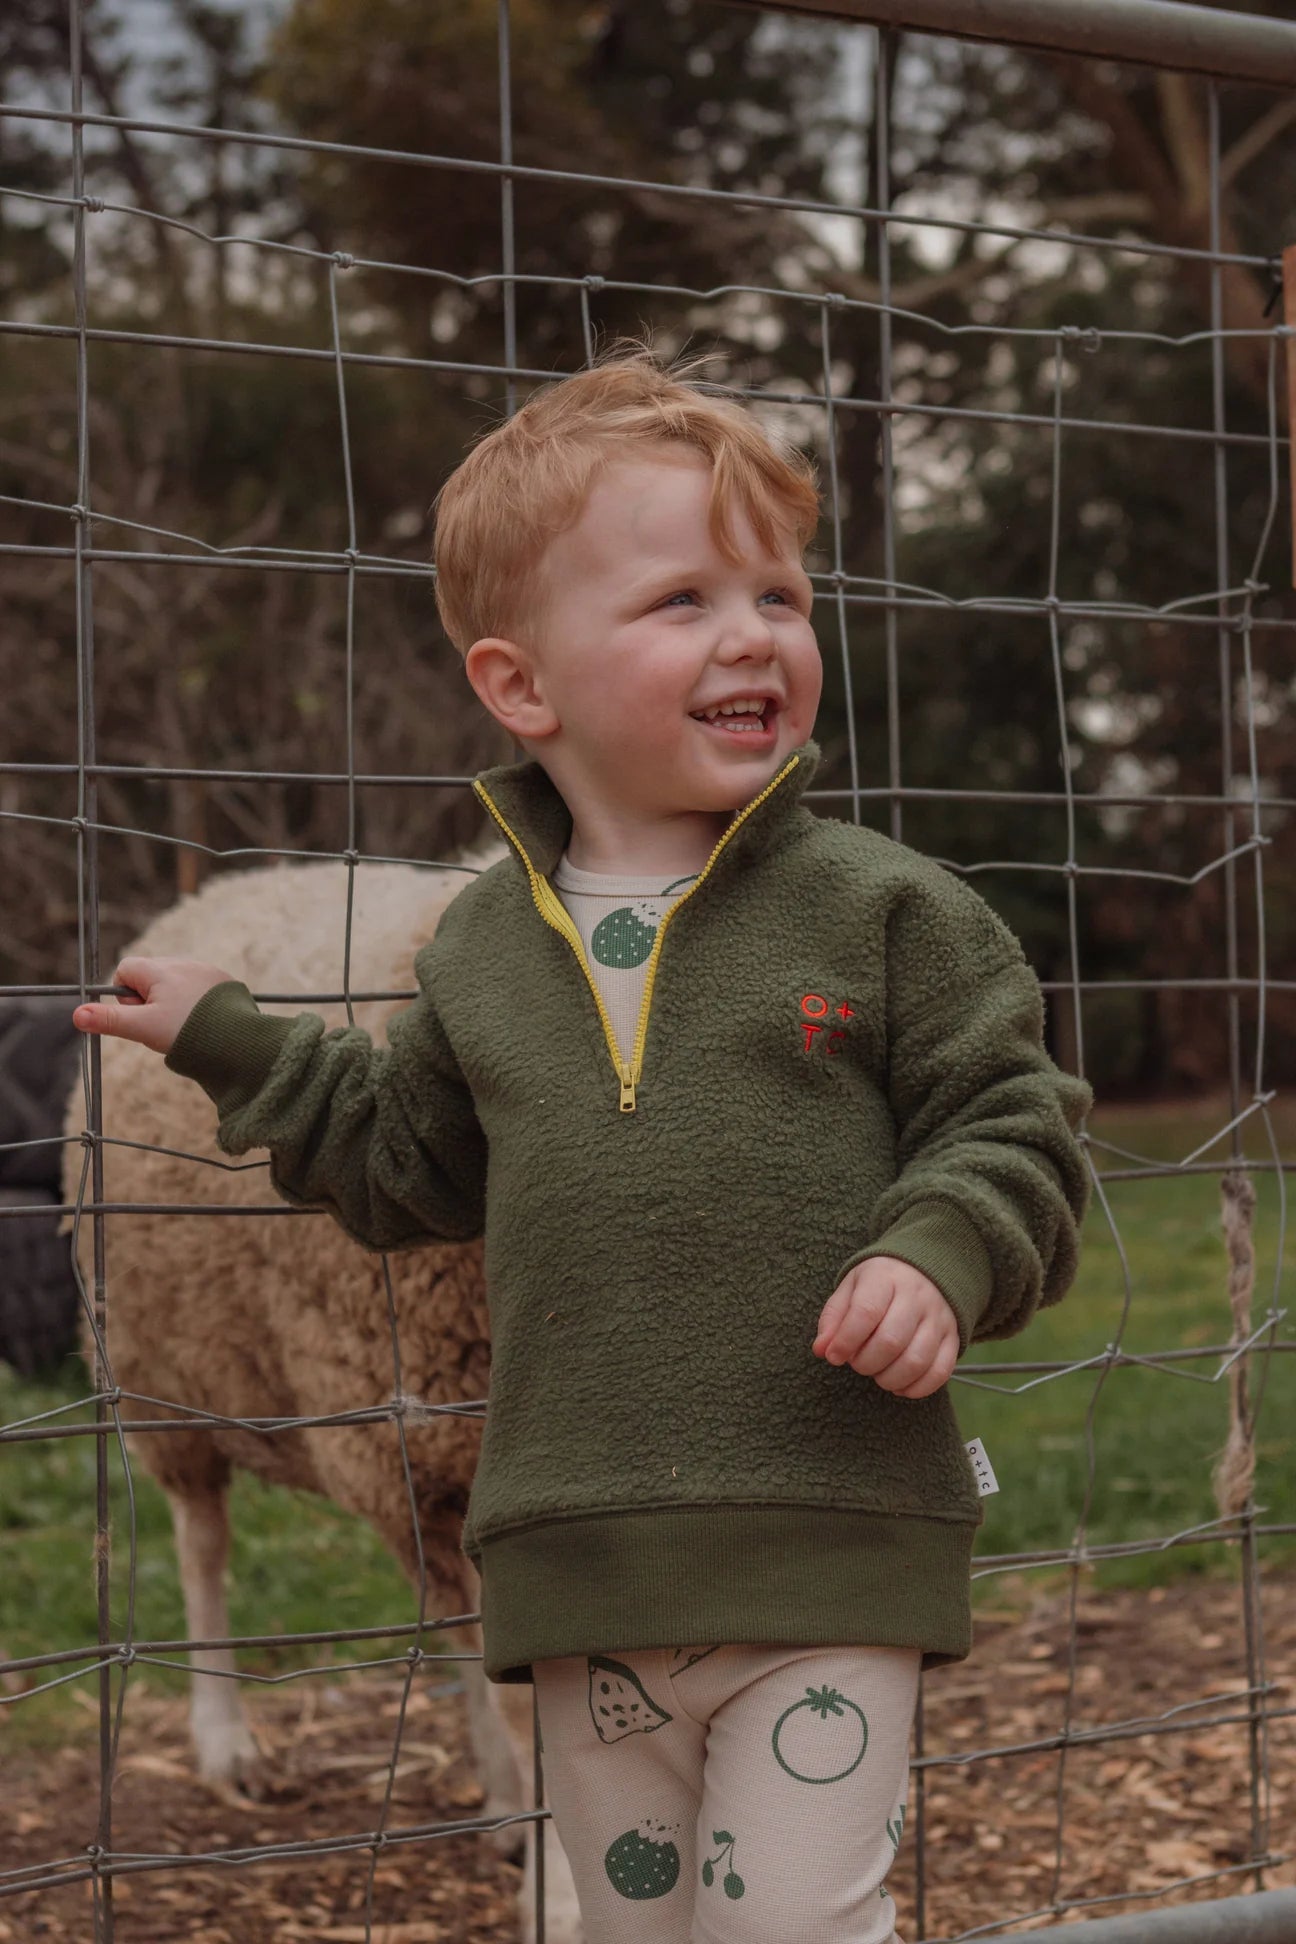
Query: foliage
{"type": "Point", "coordinates": [245, 667]}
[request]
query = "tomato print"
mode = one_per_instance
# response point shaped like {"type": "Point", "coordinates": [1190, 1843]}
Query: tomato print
{"type": "Point", "coordinates": [820, 1738]}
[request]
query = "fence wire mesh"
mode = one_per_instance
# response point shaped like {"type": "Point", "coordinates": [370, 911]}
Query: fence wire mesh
{"type": "Point", "coordinates": [1227, 611]}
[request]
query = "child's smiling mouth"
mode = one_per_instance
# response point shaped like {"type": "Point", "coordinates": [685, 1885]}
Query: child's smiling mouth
{"type": "Point", "coordinates": [750, 716]}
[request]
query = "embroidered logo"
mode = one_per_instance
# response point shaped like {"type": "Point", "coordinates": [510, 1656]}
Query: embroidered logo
{"type": "Point", "coordinates": [817, 1014]}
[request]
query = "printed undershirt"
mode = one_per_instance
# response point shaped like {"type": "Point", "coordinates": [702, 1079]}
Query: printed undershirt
{"type": "Point", "coordinates": [617, 918]}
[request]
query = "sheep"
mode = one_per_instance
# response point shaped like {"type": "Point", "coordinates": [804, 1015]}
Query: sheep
{"type": "Point", "coordinates": [287, 1317]}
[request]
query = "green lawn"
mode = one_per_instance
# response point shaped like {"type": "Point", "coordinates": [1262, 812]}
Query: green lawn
{"type": "Point", "coordinates": [299, 1565]}
{"type": "Point", "coordinates": [1156, 1434]}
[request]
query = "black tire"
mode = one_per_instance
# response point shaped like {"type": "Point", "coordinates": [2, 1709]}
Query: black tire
{"type": "Point", "coordinates": [38, 1292]}
{"type": "Point", "coordinates": [39, 1063]}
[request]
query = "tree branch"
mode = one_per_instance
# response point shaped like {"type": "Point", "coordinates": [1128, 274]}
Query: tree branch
{"type": "Point", "coordinates": [923, 290]}
{"type": "Point", "coordinates": [1257, 138]}
{"type": "Point", "coordinates": [1112, 206]}
{"type": "Point", "coordinates": [136, 170]}
{"type": "Point", "coordinates": [1179, 206]}
{"type": "Point", "coordinates": [1186, 139]}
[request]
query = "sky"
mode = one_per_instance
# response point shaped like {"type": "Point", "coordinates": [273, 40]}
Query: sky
{"type": "Point", "coordinates": [149, 27]}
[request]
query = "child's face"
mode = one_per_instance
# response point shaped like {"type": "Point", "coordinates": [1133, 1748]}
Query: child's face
{"type": "Point", "coordinates": [648, 625]}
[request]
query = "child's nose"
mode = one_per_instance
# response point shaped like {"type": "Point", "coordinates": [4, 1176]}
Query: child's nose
{"type": "Point", "coordinates": [748, 639]}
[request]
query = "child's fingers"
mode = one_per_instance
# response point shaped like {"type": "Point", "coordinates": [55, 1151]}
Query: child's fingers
{"type": "Point", "coordinates": [106, 1016]}
{"type": "Point", "coordinates": [138, 975]}
{"type": "Point", "coordinates": [118, 999]}
{"type": "Point", "coordinates": [110, 1020]}
{"type": "Point", "coordinates": [830, 1316]}
{"type": "Point", "coordinates": [895, 1368]}
{"type": "Point", "coordinates": [939, 1369]}
{"type": "Point", "coordinates": [881, 1348]}
{"type": "Point", "coordinates": [867, 1309]}
{"type": "Point", "coordinates": [152, 998]}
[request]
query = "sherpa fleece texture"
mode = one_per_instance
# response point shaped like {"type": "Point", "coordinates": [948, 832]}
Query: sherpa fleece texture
{"type": "Point", "coordinates": [843, 1058]}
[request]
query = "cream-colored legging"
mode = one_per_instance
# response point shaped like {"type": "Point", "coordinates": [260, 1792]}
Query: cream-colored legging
{"type": "Point", "coordinates": [730, 1795]}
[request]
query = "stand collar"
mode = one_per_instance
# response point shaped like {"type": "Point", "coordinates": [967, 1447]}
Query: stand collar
{"type": "Point", "coordinates": [529, 803]}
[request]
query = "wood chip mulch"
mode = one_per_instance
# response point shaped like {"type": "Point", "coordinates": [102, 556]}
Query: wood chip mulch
{"type": "Point", "coordinates": [1140, 1814]}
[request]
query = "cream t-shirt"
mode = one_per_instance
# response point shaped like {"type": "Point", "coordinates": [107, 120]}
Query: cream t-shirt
{"type": "Point", "coordinates": [617, 918]}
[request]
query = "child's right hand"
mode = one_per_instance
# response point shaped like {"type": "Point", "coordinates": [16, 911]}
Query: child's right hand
{"type": "Point", "coordinates": [168, 988]}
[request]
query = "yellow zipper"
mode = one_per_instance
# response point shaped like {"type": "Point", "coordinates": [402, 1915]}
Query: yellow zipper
{"type": "Point", "coordinates": [555, 913]}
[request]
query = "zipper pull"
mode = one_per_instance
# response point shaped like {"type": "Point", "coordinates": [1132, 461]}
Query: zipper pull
{"type": "Point", "coordinates": [627, 1089]}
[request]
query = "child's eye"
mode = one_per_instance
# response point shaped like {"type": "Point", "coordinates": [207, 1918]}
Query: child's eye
{"type": "Point", "coordinates": [687, 593]}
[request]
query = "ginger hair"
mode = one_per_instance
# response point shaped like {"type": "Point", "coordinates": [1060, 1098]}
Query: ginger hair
{"type": "Point", "coordinates": [527, 479]}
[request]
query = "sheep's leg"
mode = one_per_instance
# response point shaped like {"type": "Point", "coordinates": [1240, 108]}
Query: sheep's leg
{"type": "Point", "coordinates": [503, 1767]}
{"type": "Point", "coordinates": [227, 1754]}
{"type": "Point", "coordinates": [502, 1730]}
{"type": "Point", "coordinates": [562, 1908]}
{"type": "Point", "coordinates": [495, 1757]}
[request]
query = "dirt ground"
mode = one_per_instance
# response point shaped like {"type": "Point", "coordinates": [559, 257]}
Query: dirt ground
{"type": "Point", "coordinates": [1140, 1813]}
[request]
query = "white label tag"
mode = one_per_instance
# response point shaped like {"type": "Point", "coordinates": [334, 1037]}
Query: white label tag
{"type": "Point", "coordinates": [982, 1468]}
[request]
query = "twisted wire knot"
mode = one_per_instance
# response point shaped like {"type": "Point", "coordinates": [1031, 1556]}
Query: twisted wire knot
{"type": "Point", "coordinates": [1087, 336]}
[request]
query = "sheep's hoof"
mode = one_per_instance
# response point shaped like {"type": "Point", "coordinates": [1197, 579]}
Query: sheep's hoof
{"type": "Point", "coordinates": [232, 1767]}
{"type": "Point", "coordinates": [564, 1927]}
{"type": "Point", "coordinates": [251, 1783]}
{"type": "Point", "coordinates": [243, 1792]}
{"type": "Point", "coordinates": [562, 1910]}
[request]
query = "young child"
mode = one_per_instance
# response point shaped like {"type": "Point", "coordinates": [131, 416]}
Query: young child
{"type": "Point", "coordinates": [753, 1110]}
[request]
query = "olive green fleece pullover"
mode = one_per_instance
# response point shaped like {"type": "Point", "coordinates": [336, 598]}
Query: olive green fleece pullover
{"type": "Point", "coordinates": [839, 1055]}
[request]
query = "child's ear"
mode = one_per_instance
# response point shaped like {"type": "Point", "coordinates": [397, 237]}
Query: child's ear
{"type": "Point", "coordinates": [507, 681]}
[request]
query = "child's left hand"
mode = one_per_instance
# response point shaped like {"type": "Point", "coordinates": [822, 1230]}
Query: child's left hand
{"type": "Point", "coordinates": [890, 1322]}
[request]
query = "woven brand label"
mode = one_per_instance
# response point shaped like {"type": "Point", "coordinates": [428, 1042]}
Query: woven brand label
{"type": "Point", "coordinates": [982, 1468]}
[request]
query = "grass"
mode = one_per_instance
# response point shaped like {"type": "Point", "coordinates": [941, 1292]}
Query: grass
{"type": "Point", "coordinates": [300, 1565]}
{"type": "Point", "coordinates": [1156, 1432]}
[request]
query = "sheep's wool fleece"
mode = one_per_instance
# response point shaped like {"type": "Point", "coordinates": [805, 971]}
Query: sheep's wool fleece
{"type": "Point", "coordinates": [843, 1058]}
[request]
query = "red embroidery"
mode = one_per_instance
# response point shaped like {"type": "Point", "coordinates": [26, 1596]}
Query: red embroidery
{"type": "Point", "coordinates": [816, 1007]}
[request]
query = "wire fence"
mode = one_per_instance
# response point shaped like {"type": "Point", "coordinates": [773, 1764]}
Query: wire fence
{"type": "Point", "coordinates": [1241, 1364]}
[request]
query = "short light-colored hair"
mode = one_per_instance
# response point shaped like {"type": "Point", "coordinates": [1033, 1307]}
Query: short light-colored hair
{"type": "Point", "coordinates": [527, 480]}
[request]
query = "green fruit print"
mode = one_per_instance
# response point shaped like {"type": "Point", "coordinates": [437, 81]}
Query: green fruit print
{"type": "Point", "coordinates": [618, 1702]}
{"type": "Point", "coordinates": [622, 938]}
{"type": "Point", "coordinates": [643, 1863]}
{"type": "Point", "coordinates": [733, 1883]}
{"type": "Point", "coordinates": [821, 1738]}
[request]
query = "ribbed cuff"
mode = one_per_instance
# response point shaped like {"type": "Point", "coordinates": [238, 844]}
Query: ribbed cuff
{"type": "Point", "coordinates": [778, 1576]}
{"type": "Point", "coordinates": [228, 1045]}
{"type": "Point", "coordinates": [936, 1237]}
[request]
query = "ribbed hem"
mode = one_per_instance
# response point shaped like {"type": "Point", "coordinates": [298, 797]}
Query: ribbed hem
{"type": "Point", "coordinates": [938, 1238]}
{"type": "Point", "coordinates": [783, 1576]}
{"type": "Point", "coordinates": [228, 1045]}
